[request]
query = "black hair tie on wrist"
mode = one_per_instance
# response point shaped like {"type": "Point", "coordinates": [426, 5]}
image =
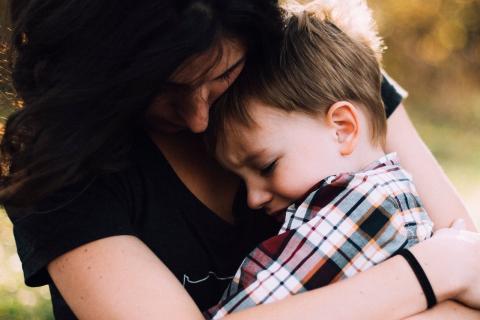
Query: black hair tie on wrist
{"type": "Point", "coordinates": [421, 277]}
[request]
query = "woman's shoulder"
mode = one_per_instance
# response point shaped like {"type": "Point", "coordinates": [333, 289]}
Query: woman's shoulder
{"type": "Point", "coordinates": [97, 207]}
{"type": "Point", "coordinates": [68, 218]}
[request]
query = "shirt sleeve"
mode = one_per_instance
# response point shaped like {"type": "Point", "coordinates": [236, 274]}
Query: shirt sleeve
{"type": "Point", "coordinates": [66, 220]}
{"type": "Point", "coordinates": [392, 94]}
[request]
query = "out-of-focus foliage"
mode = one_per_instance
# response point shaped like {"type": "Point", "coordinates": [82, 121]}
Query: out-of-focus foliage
{"type": "Point", "coordinates": [433, 51]}
{"type": "Point", "coordinates": [7, 96]}
{"type": "Point", "coordinates": [16, 300]}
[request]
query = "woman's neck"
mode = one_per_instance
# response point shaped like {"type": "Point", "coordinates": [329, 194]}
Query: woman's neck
{"type": "Point", "coordinates": [187, 154]}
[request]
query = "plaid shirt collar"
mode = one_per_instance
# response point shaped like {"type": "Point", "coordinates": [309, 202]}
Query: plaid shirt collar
{"type": "Point", "coordinates": [390, 159]}
{"type": "Point", "coordinates": [302, 207]}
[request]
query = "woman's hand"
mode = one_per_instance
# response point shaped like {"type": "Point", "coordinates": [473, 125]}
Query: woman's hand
{"type": "Point", "coordinates": [471, 253]}
{"type": "Point", "coordinates": [451, 259]}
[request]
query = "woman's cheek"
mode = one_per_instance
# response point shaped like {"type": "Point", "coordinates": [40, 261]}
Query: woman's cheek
{"type": "Point", "coordinates": [217, 89]}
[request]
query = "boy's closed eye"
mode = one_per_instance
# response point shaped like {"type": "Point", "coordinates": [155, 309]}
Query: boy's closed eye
{"type": "Point", "coordinates": [268, 169]}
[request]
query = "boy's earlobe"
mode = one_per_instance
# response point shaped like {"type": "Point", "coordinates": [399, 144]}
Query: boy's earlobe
{"type": "Point", "coordinates": [344, 118]}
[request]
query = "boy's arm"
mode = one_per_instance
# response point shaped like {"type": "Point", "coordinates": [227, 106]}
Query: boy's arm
{"type": "Point", "coordinates": [438, 195]}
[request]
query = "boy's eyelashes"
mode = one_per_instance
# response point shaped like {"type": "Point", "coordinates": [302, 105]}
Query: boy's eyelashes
{"type": "Point", "coordinates": [268, 169]}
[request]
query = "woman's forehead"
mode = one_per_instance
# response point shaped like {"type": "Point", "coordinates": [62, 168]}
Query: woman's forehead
{"type": "Point", "coordinates": [211, 63]}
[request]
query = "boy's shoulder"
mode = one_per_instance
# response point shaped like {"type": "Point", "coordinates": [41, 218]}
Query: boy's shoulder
{"type": "Point", "coordinates": [384, 184]}
{"type": "Point", "coordinates": [381, 183]}
{"type": "Point", "coordinates": [385, 174]}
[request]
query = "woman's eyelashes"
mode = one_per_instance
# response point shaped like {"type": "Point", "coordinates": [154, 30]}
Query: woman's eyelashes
{"type": "Point", "coordinates": [225, 76]}
{"type": "Point", "coordinates": [268, 169]}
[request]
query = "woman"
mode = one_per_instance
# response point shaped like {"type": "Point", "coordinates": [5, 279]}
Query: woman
{"type": "Point", "coordinates": [113, 196]}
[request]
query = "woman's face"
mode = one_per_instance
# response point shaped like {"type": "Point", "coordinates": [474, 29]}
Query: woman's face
{"type": "Point", "coordinates": [180, 109]}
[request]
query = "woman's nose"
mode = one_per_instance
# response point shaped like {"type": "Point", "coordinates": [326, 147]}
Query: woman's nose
{"type": "Point", "coordinates": [197, 120]}
{"type": "Point", "coordinates": [257, 198]}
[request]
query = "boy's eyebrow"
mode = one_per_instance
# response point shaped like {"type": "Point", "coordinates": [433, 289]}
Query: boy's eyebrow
{"type": "Point", "coordinates": [252, 157]}
{"type": "Point", "coordinates": [231, 68]}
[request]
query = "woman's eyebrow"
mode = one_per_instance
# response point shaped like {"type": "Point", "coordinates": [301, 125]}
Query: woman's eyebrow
{"type": "Point", "coordinates": [185, 85]}
{"type": "Point", "coordinates": [230, 69]}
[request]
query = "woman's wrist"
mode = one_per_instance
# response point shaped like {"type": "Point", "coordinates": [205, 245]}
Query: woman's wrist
{"type": "Point", "coordinates": [447, 279]}
{"type": "Point", "coordinates": [421, 277]}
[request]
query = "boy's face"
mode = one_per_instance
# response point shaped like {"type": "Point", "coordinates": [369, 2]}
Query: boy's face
{"type": "Point", "coordinates": [280, 157]}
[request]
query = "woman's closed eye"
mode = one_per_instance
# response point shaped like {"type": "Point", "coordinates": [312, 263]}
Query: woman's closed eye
{"type": "Point", "coordinates": [268, 169]}
{"type": "Point", "coordinates": [225, 76]}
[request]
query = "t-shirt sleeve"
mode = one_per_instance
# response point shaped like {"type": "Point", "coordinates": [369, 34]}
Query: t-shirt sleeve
{"type": "Point", "coordinates": [70, 218]}
{"type": "Point", "coordinates": [392, 94]}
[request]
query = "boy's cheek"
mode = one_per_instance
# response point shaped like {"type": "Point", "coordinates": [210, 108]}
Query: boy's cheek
{"type": "Point", "coordinates": [290, 188]}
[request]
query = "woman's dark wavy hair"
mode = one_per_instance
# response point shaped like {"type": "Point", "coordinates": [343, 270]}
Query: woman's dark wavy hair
{"type": "Point", "coordinates": [87, 70]}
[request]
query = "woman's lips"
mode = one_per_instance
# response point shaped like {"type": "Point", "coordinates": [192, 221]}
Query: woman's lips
{"type": "Point", "coordinates": [170, 126]}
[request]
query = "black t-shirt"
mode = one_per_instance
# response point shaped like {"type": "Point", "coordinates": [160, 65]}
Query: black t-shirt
{"type": "Point", "coordinates": [149, 201]}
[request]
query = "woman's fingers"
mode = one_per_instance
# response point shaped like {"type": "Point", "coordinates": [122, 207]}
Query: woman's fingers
{"type": "Point", "coordinates": [470, 246]}
{"type": "Point", "coordinates": [455, 227]}
{"type": "Point", "coordinates": [455, 252]}
{"type": "Point", "coordinates": [459, 224]}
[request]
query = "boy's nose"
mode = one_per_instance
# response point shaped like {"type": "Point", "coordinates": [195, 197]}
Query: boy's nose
{"type": "Point", "coordinates": [258, 198]}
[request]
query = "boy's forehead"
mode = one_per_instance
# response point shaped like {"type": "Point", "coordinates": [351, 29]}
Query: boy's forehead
{"type": "Point", "coordinates": [243, 147]}
{"type": "Point", "coordinates": [244, 142]}
{"type": "Point", "coordinates": [241, 138]}
{"type": "Point", "coordinates": [233, 145]}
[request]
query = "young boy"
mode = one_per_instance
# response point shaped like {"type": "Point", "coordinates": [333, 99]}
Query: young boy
{"type": "Point", "coordinates": [315, 112]}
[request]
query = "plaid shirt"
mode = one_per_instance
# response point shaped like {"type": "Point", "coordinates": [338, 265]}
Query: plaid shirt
{"type": "Point", "coordinates": [349, 223]}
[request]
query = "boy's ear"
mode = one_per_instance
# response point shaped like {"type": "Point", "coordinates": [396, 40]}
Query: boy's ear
{"type": "Point", "coordinates": [344, 118]}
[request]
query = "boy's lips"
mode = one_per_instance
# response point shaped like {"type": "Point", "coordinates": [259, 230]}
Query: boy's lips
{"type": "Point", "coordinates": [277, 215]}
{"type": "Point", "coordinates": [275, 212]}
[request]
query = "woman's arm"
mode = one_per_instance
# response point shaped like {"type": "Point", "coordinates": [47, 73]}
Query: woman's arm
{"type": "Point", "coordinates": [448, 310]}
{"type": "Point", "coordinates": [388, 290]}
{"type": "Point", "coordinates": [438, 195]}
{"type": "Point", "coordinates": [120, 278]}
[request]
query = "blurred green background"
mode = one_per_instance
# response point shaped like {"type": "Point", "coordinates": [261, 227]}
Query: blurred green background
{"type": "Point", "coordinates": [433, 52]}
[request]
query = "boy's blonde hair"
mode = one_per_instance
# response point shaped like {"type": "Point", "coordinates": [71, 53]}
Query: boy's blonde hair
{"type": "Point", "coordinates": [330, 52]}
